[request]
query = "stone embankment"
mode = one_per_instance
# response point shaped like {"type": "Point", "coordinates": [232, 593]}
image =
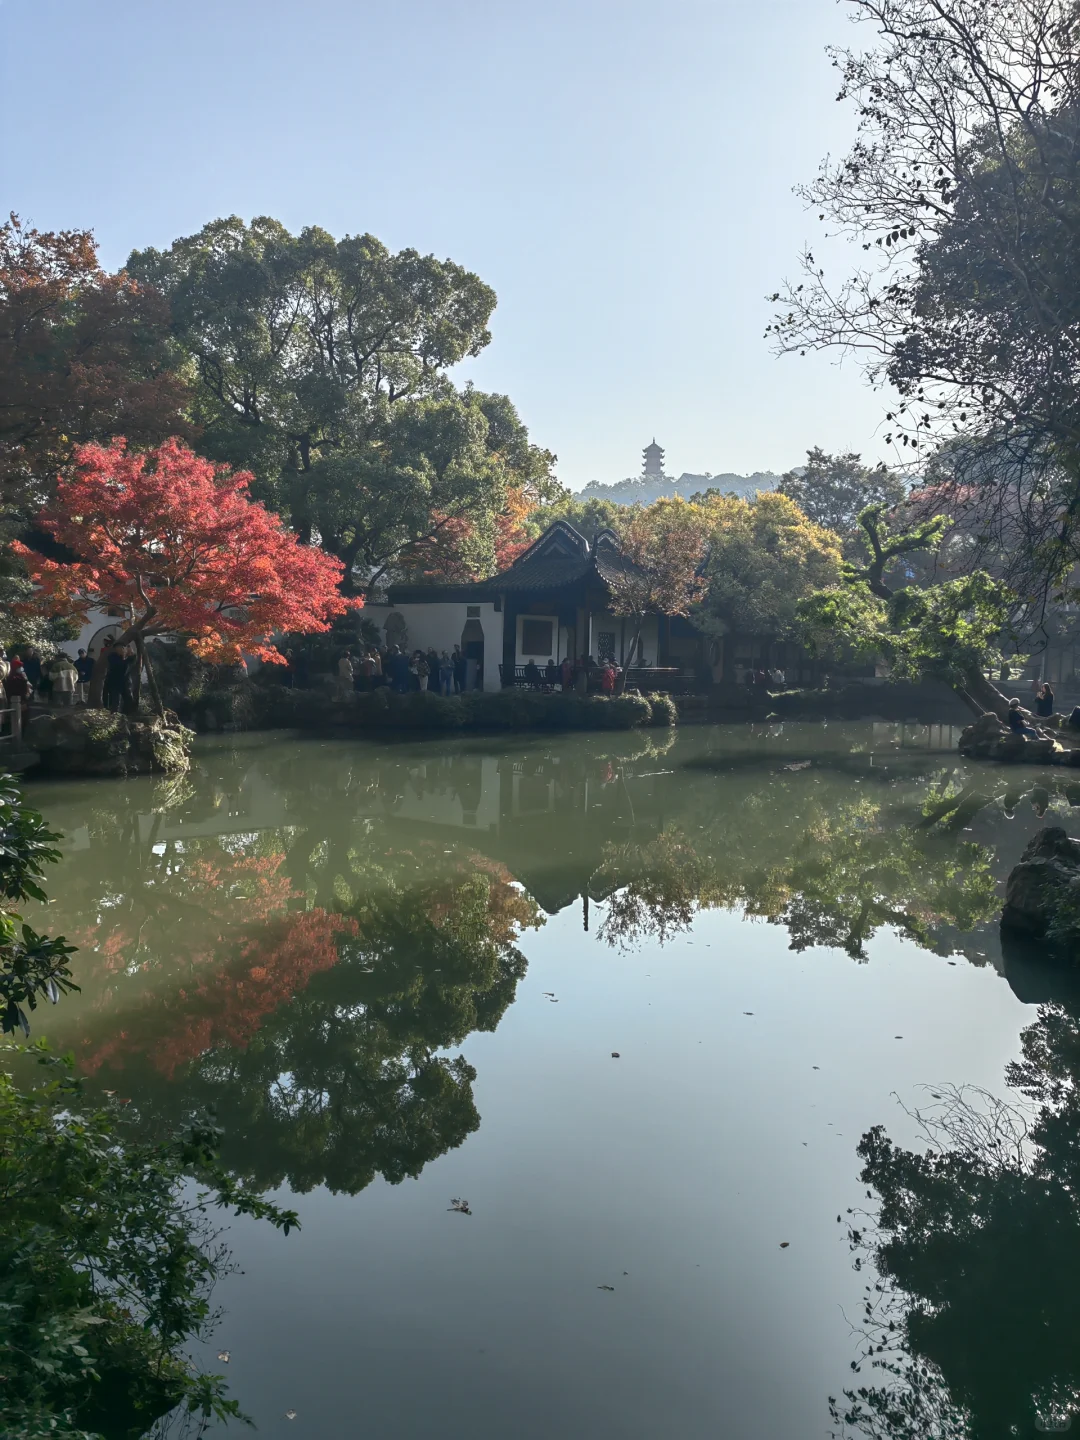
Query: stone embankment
{"type": "Point", "coordinates": [989, 738]}
{"type": "Point", "coordinates": [99, 742]}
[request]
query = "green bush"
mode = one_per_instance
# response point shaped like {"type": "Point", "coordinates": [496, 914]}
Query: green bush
{"type": "Point", "coordinates": [261, 705]}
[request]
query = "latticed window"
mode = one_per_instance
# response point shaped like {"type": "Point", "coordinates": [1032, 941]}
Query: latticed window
{"type": "Point", "coordinates": [605, 644]}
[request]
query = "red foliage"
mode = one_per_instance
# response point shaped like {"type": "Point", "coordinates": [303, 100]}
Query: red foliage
{"type": "Point", "coordinates": [83, 355]}
{"type": "Point", "coordinates": [450, 554]}
{"type": "Point", "coordinates": [235, 955]}
{"type": "Point", "coordinates": [175, 541]}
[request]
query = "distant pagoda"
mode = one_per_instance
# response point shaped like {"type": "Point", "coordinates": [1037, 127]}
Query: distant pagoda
{"type": "Point", "coordinates": [652, 467]}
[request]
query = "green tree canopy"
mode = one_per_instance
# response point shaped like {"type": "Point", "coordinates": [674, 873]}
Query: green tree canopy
{"type": "Point", "coordinates": [834, 490]}
{"type": "Point", "coordinates": [322, 365]}
{"type": "Point", "coordinates": [763, 556]}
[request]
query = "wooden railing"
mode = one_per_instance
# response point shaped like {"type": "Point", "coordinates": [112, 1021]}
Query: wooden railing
{"type": "Point", "coordinates": [11, 721]}
{"type": "Point", "coordinates": [639, 677]}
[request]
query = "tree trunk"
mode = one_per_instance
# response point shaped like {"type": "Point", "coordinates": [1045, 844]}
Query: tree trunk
{"type": "Point", "coordinates": [151, 678]}
{"type": "Point", "coordinates": [982, 695]}
{"type": "Point", "coordinates": [620, 683]}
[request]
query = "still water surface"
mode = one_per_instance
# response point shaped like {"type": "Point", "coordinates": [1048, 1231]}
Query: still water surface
{"type": "Point", "coordinates": [398, 974]}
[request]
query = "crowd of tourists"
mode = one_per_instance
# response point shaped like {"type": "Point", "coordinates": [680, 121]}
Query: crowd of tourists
{"type": "Point", "coordinates": [757, 677]}
{"type": "Point", "coordinates": [371, 667]}
{"type": "Point", "coordinates": [27, 677]}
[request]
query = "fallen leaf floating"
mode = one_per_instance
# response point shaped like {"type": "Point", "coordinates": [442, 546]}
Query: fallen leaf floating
{"type": "Point", "coordinates": [748, 1012]}
{"type": "Point", "coordinates": [549, 993]}
{"type": "Point", "coordinates": [784, 1244]}
{"type": "Point", "coordinates": [223, 1356]}
{"type": "Point", "coordinates": [605, 1287]}
{"type": "Point", "coordinates": [798, 765]}
{"type": "Point", "coordinates": [290, 1414]}
{"type": "Point", "coordinates": [460, 1207]}
{"type": "Point", "coordinates": [615, 1054]}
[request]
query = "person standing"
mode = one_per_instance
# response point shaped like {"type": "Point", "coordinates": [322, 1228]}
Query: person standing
{"type": "Point", "coordinates": [17, 687]}
{"type": "Point", "coordinates": [458, 661]}
{"type": "Point", "coordinates": [345, 674]}
{"type": "Point", "coordinates": [566, 675]}
{"type": "Point", "coordinates": [446, 674]}
{"type": "Point", "coordinates": [423, 670]}
{"type": "Point", "coordinates": [115, 675]}
{"type": "Point", "coordinates": [65, 678]}
{"type": "Point", "coordinates": [84, 667]}
{"type": "Point", "coordinates": [1044, 703]}
{"type": "Point", "coordinates": [31, 663]}
{"type": "Point", "coordinates": [551, 675]}
{"type": "Point", "coordinates": [607, 678]}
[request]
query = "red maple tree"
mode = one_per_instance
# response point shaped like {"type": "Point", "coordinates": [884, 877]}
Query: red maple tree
{"type": "Point", "coordinates": [83, 356]}
{"type": "Point", "coordinates": [173, 543]}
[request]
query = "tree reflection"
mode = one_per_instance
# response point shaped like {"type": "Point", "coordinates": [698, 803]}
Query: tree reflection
{"type": "Point", "coordinates": [299, 982]}
{"type": "Point", "coordinates": [972, 1328]}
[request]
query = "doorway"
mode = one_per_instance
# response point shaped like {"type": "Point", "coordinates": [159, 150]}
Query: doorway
{"type": "Point", "coordinates": [472, 647]}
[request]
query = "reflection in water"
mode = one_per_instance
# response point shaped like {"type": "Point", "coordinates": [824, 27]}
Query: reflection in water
{"type": "Point", "coordinates": [294, 935]}
{"type": "Point", "coordinates": [972, 1328]}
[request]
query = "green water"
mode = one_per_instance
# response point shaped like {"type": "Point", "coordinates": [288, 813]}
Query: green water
{"type": "Point", "coordinates": [398, 974]}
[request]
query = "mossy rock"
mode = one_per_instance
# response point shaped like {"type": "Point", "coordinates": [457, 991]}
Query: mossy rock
{"type": "Point", "coordinates": [99, 742]}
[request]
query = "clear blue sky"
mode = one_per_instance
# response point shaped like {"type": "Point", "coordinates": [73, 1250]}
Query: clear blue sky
{"type": "Point", "coordinates": [619, 171]}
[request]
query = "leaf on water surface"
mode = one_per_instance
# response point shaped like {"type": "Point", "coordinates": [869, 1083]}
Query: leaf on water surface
{"type": "Point", "coordinates": [605, 1287]}
{"type": "Point", "coordinates": [290, 1414]}
{"type": "Point", "coordinates": [460, 1207]}
{"type": "Point", "coordinates": [223, 1356]}
{"type": "Point", "coordinates": [784, 1244]}
{"type": "Point", "coordinates": [615, 1054]}
{"type": "Point", "coordinates": [748, 1012]}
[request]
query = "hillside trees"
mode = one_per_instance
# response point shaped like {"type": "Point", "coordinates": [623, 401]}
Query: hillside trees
{"type": "Point", "coordinates": [322, 366]}
{"type": "Point", "coordinates": [174, 544]}
{"type": "Point", "coordinates": [963, 189]}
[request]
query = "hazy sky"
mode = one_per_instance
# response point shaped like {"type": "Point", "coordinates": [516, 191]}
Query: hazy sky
{"type": "Point", "coordinates": [619, 171]}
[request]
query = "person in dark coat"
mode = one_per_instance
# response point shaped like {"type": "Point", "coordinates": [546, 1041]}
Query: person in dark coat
{"type": "Point", "coordinates": [1018, 725]}
{"type": "Point", "coordinates": [1044, 702]}
{"type": "Point", "coordinates": [31, 663]}
{"type": "Point", "coordinates": [115, 676]}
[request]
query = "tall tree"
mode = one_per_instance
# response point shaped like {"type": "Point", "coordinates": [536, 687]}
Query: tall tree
{"type": "Point", "coordinates": [322, 366]}
{"type": "Point", "coordinates": [175, 545]}
{"type": "Point", "coordinates": [963, 189]}
{"type": "Point", "coordinates": [763, 556]}
{"type": "Point", "coordinates": [664, 543]}
{"type": "Point", "coordinates": [952, 630]}
{"type": "Point", "coordinates": [834, 490]}
{"type": "Point", "coordinates": [83, 356]}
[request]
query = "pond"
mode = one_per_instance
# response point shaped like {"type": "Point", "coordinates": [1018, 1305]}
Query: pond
{"type": "Point", "coordinates": [632, 1000]}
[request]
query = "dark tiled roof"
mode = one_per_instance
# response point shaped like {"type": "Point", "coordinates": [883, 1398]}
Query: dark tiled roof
{"type": "Point", "coordinates": [544, 566]}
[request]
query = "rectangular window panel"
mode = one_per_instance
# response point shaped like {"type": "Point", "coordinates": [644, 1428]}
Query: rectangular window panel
{"type": "Point", "coordinates": [536, 638]}
{"type": "Point", "coordinates": [605, 644]}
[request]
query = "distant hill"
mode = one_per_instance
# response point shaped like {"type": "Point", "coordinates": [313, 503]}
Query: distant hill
{"type": "Point", "coordinates": [644, 491]}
